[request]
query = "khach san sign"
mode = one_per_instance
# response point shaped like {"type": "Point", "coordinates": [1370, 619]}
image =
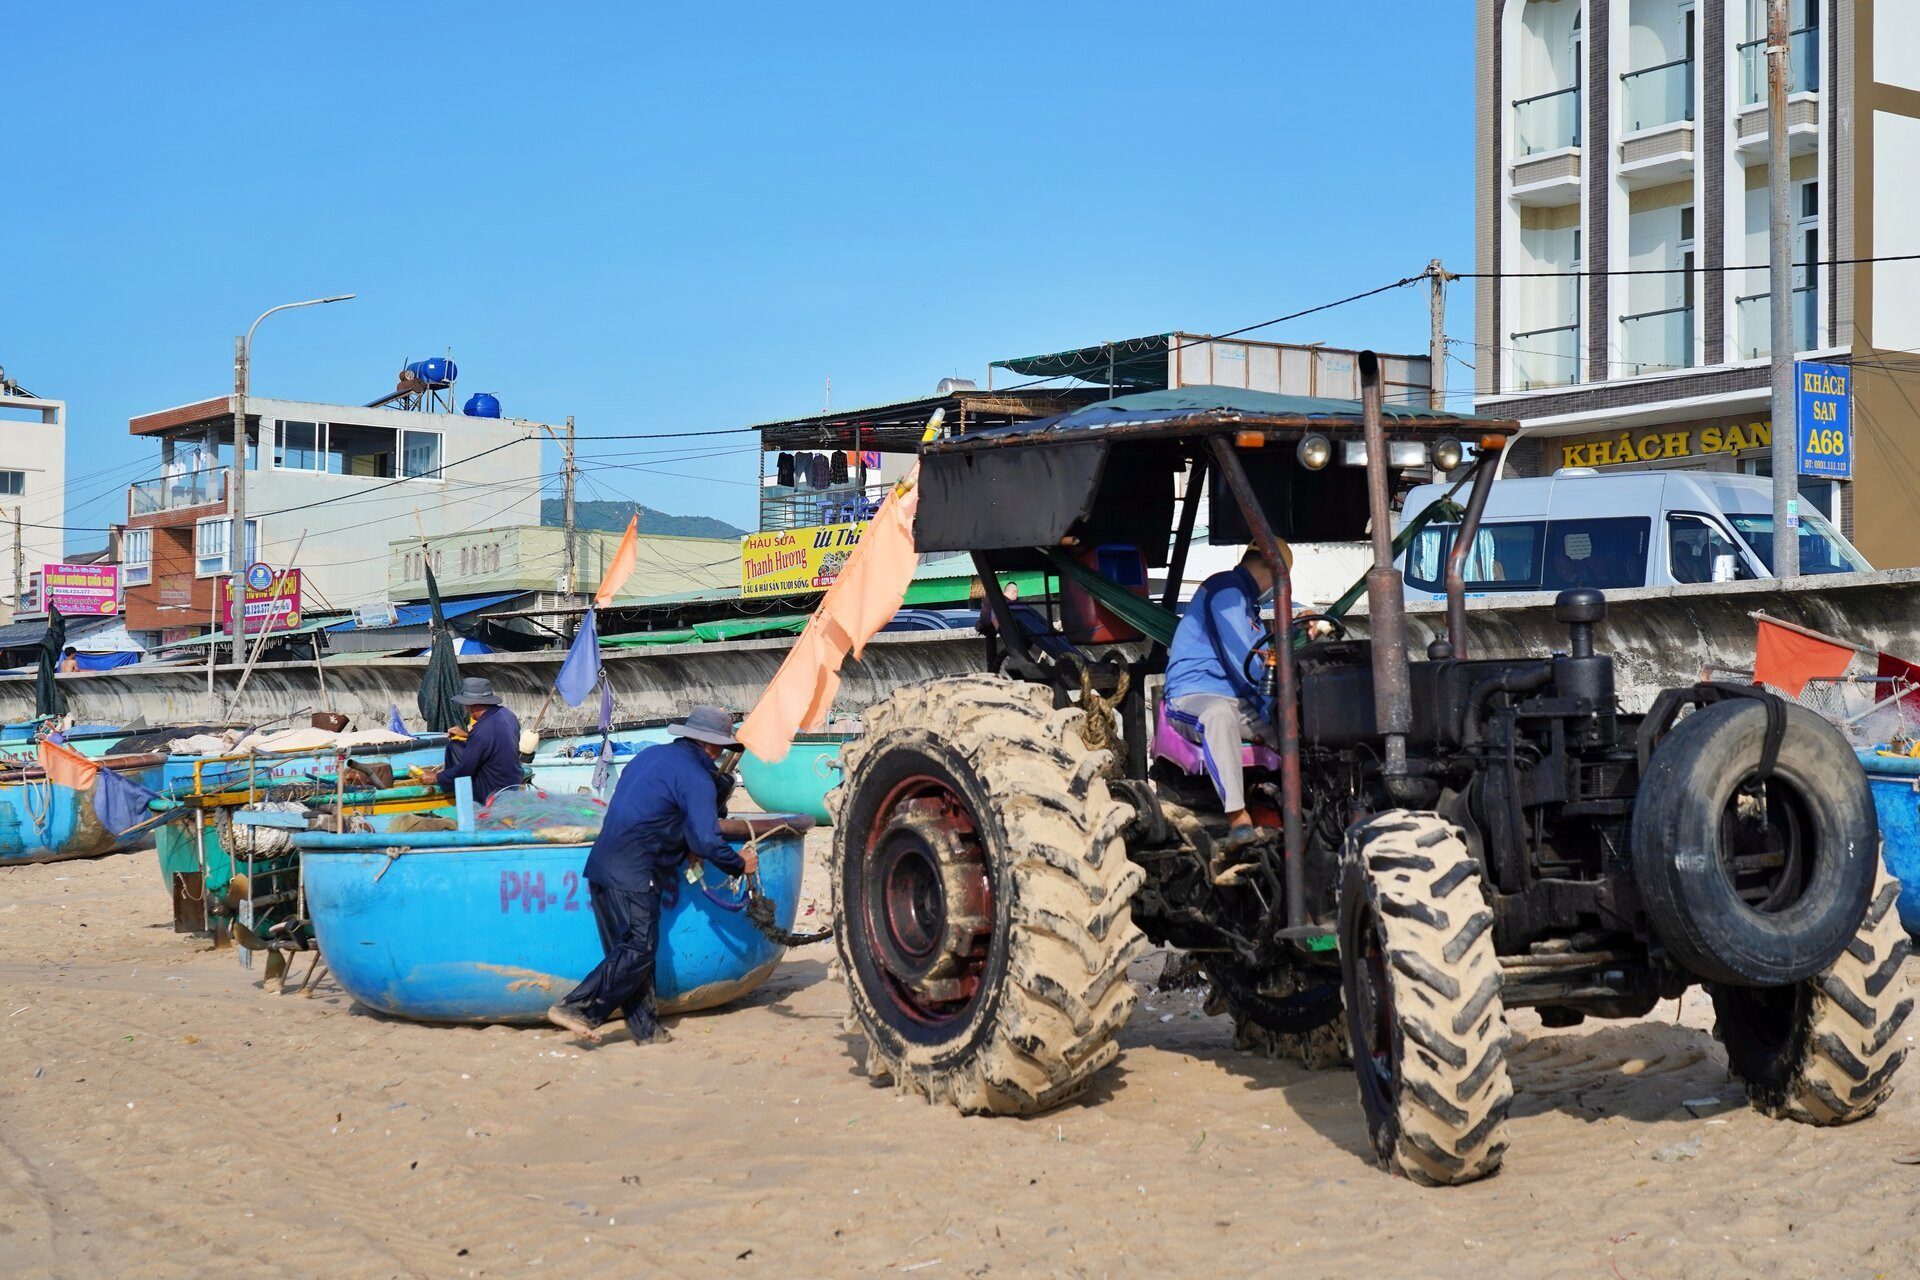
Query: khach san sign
{"type": "Point", "coordinates": [1823, 396]}
{"type": "Point", "coordinates": [1663, 444]}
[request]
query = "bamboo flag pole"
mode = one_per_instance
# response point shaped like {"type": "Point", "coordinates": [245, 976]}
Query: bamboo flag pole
{"type": "Point", "coordinates": [1811, 634]}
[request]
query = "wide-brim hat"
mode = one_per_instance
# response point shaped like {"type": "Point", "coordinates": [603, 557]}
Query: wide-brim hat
{"type": "Point", "coordinates": [706, 724]}
{"type": "Point", "coordinates": [476, 691]}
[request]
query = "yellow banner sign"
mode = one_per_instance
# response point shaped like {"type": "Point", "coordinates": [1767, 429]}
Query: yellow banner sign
{"type": "Point", "coordinates": [790, 561]}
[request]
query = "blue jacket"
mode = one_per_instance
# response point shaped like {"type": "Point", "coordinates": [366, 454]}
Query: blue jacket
{"type": "Point", "coordinates": [665, 806]}
{"type": "Point", "coordinates": [490, 756]}
{"type": "Point", "coordinates": [1232, 601]}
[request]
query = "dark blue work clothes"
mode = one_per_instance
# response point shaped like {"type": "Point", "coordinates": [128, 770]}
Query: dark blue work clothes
{"type": "Point", "coordinates": [629, 923]}
{"type": "Point", "coordinates": [490, 756]}
{"type": "Point", "coordinates": [665, 806]}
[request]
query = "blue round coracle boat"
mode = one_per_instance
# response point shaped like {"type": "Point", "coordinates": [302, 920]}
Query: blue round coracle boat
{"type": "Point", "coordinates": [44, 821]}
{"type": "Point", "coordinates": [495, 926]}
{"type": "Point", "coordinates": [1895, 782]}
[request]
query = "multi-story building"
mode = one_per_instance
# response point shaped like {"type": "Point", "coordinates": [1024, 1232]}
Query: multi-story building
{"type": "Point", "coordinates": [1622, 200]}
{"type": "Point", "coordinates": [33, 486]}
{"type": "Point", "coordinates": [348, 479]}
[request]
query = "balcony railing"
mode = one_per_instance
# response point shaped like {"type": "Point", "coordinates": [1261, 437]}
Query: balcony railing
{"type": "Point", "coordinates": [804, 508]}
{"type": "Point", "coordinates": [1659, 95]}
{"type": "Point", "coordinates": [1547, 121]}
{"type": "Point", "coordinates": [189, 489]}
{"type": "Point", "coordinates": [1546, 357]}
{"type": "Point", "coordinates": [1656, 341]}
{"type": "Point", "coordinates": [1756, 322]}
{"type": "Point", "coordinates": [1803, 66]}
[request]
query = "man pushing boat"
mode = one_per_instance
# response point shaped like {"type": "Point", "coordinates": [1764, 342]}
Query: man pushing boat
{"type": "Point", "coordinates": [665, 808]}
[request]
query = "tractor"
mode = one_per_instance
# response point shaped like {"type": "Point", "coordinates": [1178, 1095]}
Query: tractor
{"type": "Point", "coordinates": [1442, 836]}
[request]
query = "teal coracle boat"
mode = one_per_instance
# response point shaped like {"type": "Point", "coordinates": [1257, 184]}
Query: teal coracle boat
{"type": "Point", "coordinates": [800, 782]}
{"type": "Point", "coordinates": [495, 926]}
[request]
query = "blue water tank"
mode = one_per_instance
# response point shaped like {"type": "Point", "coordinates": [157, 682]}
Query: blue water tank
{"type": "Point", "coordinates": [482, 404]}
{"type": "Point", "coordinates": [435, 372]}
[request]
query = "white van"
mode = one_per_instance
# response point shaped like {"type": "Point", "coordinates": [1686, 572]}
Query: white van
{"type": "Point", "coordinates": [1578, 528]}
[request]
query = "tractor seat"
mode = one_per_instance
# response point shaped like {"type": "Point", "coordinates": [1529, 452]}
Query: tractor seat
{"type": "Point", "coordinates": [1176, 739]}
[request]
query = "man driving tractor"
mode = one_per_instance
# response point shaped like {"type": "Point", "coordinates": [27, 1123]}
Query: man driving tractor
{"type": "Point", "coordinates": [1212, 696]}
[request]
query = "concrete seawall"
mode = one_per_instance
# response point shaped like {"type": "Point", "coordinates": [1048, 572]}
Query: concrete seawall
{"type": "Point", "coordinates": [648, 685]}
{"type": "Point", "coordinates": [1658, 636]}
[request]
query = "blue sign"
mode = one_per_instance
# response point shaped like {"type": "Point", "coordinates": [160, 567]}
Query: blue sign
{"type": "Point", "coordinates": [1823, 396]}
{"type": "Point", "coordinates": [259, 576]}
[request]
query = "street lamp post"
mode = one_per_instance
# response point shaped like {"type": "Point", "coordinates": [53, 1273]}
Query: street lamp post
{"type": "Point", "coordinates": [237, 505]}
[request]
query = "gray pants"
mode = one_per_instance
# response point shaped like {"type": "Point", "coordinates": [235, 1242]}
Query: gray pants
{"type": "Point", "coordinates": [1220, 725]}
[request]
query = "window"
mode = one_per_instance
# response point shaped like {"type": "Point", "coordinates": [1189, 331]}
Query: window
{"type": "Point", "coordinates": [1699, 550]}
{"type": "Point", "coordinates": [211, 541]}
{"type": "Point", "coordinates": [359, 451]}
{"type": "Point", "coordinates": [420, 453]}
{"type": "Point", "coordinates": [1822, 549]}
{"type": "Point", "coordinates": [13, 483]}
{"type": "Point", "coordinates": [1596, 553]}
{"type": "Point", "coordinates": [136, 556]}
{"type": "Point", "coordinates": [297, 446]}
{"type": "Point", "coordinates": [1505, 557]}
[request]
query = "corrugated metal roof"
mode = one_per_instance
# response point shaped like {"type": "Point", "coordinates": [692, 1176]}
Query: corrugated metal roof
{"type": "Point", "coordinates": [15, 635]}
{"type": "Point", "coordinates": [415, 615]}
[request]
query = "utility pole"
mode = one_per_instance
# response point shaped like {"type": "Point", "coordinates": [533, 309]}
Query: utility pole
{"type": "Point", "coordinates": [237, 507]}
{"type": "Point", "coordinates": [1437, 339]}
{"type": "Point", "coordinates": [19, 563]}
{"type": "Point", "coordinates": [1786, 432]}
{"type": "Point", "coordinates": [567, 483]}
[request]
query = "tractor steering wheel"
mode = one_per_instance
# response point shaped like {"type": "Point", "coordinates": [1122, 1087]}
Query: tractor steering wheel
{"type": "Point", "coordinates": [1254, 668]}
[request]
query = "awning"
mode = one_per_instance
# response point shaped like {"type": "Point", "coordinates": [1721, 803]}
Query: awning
{"type": "Point", "coordinates": [1138, 363]}
{"type": "Point", "coordinates": [18, 635]}
{"type": "Point", "coordinates": [307, 627]}
{"type": "Point", "coordinates": [414, 615]}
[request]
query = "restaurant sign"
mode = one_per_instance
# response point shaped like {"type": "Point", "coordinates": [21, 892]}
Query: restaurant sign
{"type": "Point", "coordinates": [790, 561]}
{"type": "Point", "coordinates": [276, 608]}
{"type": "Point", "coordinates": [1664, 443]}
{"type": "Point", "coordinates": [76, 589]}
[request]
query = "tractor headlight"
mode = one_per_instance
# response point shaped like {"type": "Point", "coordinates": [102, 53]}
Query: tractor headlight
{"type": "Point", "coordinates": [1314, 452]}
{"type": "Point", "coordinates": [1448, 454]}
{"type": "Point", "coordinates": [1406, 453]}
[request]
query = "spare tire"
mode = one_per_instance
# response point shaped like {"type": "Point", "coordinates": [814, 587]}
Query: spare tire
{"type": "Point", "coordinates": [1753, 883]}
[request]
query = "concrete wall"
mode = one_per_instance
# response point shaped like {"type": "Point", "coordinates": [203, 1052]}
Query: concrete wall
{"type": "Point", "coordinates": [653, 685]}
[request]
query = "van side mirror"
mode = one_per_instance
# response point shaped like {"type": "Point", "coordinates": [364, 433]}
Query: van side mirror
{"type": "Point", "coordinates": [1726, 567]}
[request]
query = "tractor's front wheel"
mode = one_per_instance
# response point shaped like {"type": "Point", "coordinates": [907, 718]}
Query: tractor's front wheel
{"type": "Point", "coordinates": [1824, 1051]}
{"type": "Point", "coordinates": [983, 896]}
{"type": "Point", "coordinates": [1422, 983]}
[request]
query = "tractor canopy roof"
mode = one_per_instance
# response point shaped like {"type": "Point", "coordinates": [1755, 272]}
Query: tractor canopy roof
{"type": "Point", "coordinates": [1107, 473]}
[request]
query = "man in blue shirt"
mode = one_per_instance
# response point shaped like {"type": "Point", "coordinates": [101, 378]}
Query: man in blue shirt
{"type": "Point", "coordinates": [665, 807]}
{"type": "Point", "coordinates": [1213, 699]}
{"type": "Point", "coordinates": [491, 753]}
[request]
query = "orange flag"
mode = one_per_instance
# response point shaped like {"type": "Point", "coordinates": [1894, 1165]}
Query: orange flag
{"type": "Point", "coordinates": [622, 566]}
{"type": "Point", "coordinates": [1787, 658]}
{"type": "Point", "coordinates": [863, 599]}
{"type": "Point", "coordinates": [66, 767]}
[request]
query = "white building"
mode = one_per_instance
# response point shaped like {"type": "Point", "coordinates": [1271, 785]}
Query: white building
{"type": "Point", "coordinates": [349, 479]}
{"type": "Point", "coordinates": [33, 485]}
{"type": "Point", "coordinates": [1630, 136]}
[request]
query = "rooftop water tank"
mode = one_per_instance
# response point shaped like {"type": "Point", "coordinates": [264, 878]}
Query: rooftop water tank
{"type": "Point", "coordinates": [435, 372]}
{"type": "Point", "coordinates": [482, 404]}
{"type": "Point", "coordinates": [952, 386]}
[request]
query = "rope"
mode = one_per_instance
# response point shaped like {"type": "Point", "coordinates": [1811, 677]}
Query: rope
{"type": "Point", "coordinates": [760, 908]}
{"type": "Point", "coordinates": [1098, 728]}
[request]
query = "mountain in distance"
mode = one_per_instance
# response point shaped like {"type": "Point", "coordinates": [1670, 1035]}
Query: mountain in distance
{"type": "Point", "coordinates": [612, 517]}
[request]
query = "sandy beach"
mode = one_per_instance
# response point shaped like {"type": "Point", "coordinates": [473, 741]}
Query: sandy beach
{"type": "Point", "coordinates": [161, 1115]}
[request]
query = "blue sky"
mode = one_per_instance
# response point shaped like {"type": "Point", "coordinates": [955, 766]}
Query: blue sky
{"type": "Point", "coordinates": [684, 218]}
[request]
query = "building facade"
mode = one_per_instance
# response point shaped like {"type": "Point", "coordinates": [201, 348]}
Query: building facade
{"type": "Point", "coordinates": [1623, 205]}
{"type": "Point", "coordinates": [33, 489]}
{"type": "Point", "coordinates": [347, 479]}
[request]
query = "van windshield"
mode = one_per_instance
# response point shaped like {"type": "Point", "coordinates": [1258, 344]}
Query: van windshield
{"type": "Point", "coordinates": [1822, 549]}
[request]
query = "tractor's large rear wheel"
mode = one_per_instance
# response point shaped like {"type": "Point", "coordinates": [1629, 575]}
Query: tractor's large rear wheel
{"type": "Point", "coordinates": [983, 896]}
{"type": "Point", "coordinates": [1429, 1034]}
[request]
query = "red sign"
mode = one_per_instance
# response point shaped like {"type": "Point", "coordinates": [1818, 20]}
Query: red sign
{"type": "Point", "coordinates": [277, 608]}
{"type": "Point", "coordinates": [76, 589]}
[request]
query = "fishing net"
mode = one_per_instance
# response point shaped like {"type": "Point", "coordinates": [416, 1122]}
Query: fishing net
{"type": "Point", "coordinates": [553, 815]}
{"type": "Point", "coordinates": [1869, 710]}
